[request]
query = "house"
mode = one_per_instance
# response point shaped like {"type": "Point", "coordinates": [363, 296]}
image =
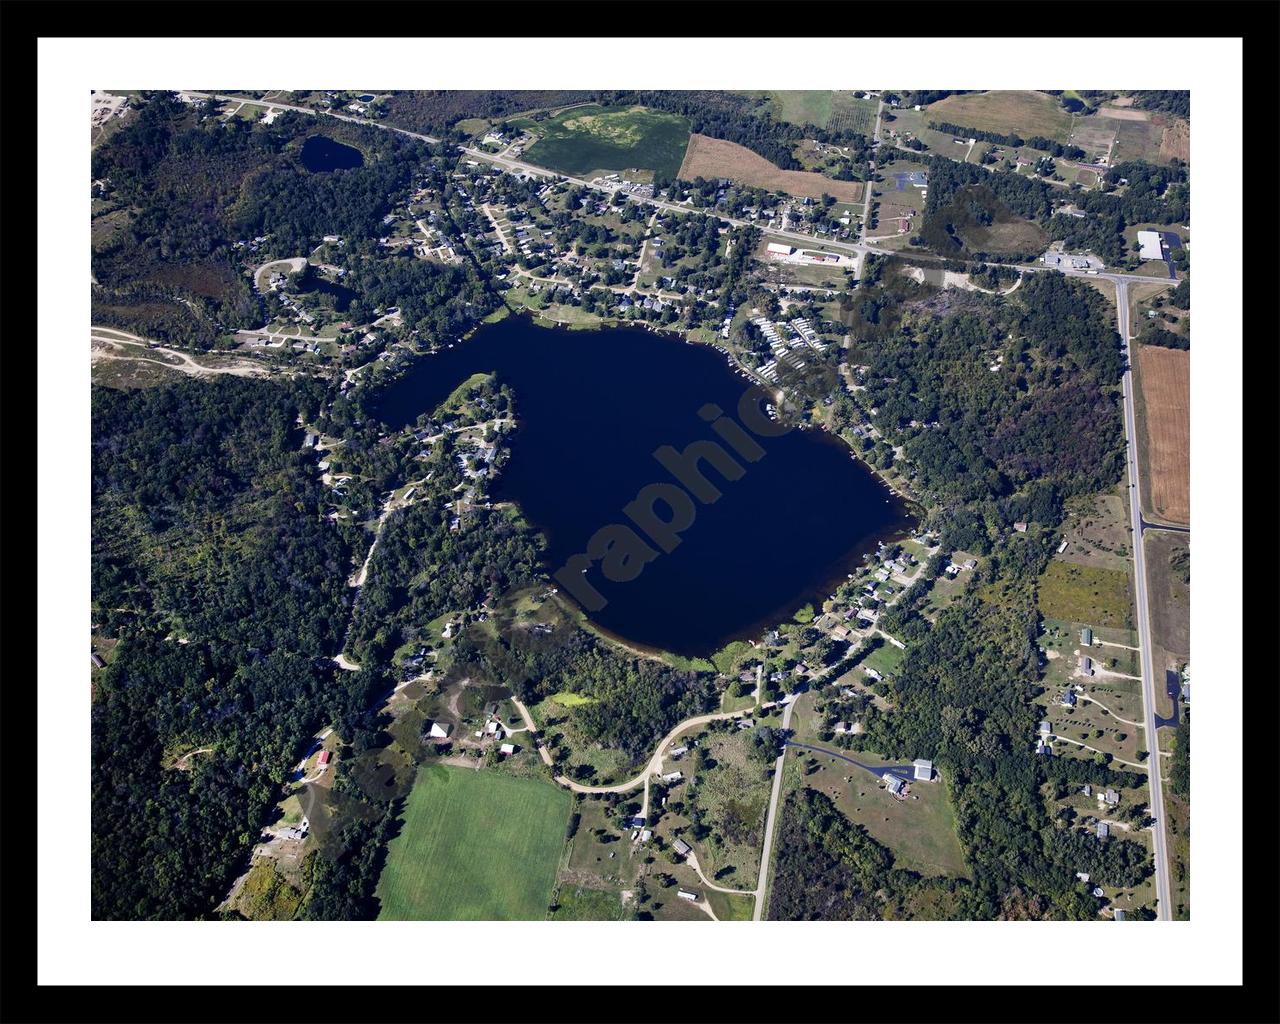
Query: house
{"type": "Point", "coordinates": [678, 752]}
{"type": "Point", "coordinates": [1110, 797]}
{"type": "Point", "coordinates": [1045, 728]}
{"type": "Point", "coordinates": [322, 762]}
{"type": "Point", "coordinates": [1020, 527]}
{"type": "Point", "coordinates": [440, 730]}
{"type": "Point", "coordinates": [894, 785]}
{"type": "Point", "coordinates": [646, 835]}
{"type": "Point", "coordinates": [1086, 666]}
{"type": "Point", "coordinates": [923, 769]}
{"type": "Point", "coordinates": [1068, 699]}
{"type": "Point", "coordinates": [1086, 636]}
{"type": "Point", "coordinates": [872, 674]}
{"type": "Point", "coordinates": [843, 728]}
{"type": "Point", "coordinates": [1119, 914]}
{"type": "Point", "coordinates": [685, 894]}
{"type": "Point", "coordinates": [970, 563]}
{"type": "Point", "coordinates": [97, 661]}
{"type": "Point", "coordinates": [1104, 830]}
{"type": "Point", "coordinates": [682, 848]}
{"type": "Point", "coordinates": [672, 777]}
{"type": "Point", "coordinates": [507, 748]}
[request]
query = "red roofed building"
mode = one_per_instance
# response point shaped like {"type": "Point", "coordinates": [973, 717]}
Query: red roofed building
{"type": "Point", "coordinates": [323, 760]}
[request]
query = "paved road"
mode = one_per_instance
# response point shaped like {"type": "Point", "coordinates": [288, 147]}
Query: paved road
{"type": "Point", "coordinates": [1164, 905]}
{"type": "Point", "coordinates": [905, 771]}
{"type": "Point", "coordinates": [762, 878]}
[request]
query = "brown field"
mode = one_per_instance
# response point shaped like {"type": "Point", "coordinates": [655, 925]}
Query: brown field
{"type": "Point", "coordinates": [1126, 114]}
{"type": "Point", "coordinates": [1176, 142]}
{"type": "Point", "coordinates": [716, 158]}
{"type": "Point", "coordinates": [1025, 112]}
{"type": "Point", "coordinates": [1164, 395]}
{"type": "Point", "coordinates": [1159, 139]}
{"type": "Point", "coordinates": [1170, 595]}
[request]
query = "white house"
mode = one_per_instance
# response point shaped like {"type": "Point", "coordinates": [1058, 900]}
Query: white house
{"type": "Point", "coordinates": [923, 769]}
{"type": "Point", "coordinates": [440, 730]}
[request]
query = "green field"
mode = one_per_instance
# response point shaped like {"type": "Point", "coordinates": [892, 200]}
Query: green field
{"type": "Point", "coordinates": [586, 139]}
{"type": "Point", "coordinates": [1085, 593]}
{"type": "Point", "coordinates": [475, 846]}
{"type": "Point", "coordinates": [1024, 112]}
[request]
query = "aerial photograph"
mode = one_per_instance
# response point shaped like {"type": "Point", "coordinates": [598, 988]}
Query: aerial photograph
{"type": "Point", "coordinates": [639, 505]}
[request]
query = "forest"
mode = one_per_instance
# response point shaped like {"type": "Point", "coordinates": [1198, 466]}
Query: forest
{"type": "Point", "coordinates": [215, 568]}
{"type": "Point", "coordinates": [1016, 141]}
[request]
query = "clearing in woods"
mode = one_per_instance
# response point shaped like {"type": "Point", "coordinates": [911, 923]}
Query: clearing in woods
{"type": "Point", "coordinates": [1164, 412]}
{"type": "Point", "coordinates": [1026, 113]}
{"type": "Point", "coordinates": [716, 158]}
{"type": "Point", "coordinates": [475, 846]}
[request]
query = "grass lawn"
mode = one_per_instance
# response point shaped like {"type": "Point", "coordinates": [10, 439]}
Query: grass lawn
{"type": "Point", "coordinates": [474, 846]}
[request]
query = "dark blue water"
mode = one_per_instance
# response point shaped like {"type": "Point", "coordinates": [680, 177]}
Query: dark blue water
{"type": "Point", "coordinates": [321, 153]}
{"type": "Point", "coordinates": [592, 408]}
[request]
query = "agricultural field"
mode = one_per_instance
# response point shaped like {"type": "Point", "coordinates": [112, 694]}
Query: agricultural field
{"type": "Point", "coordinates": [1164, 418]}
{"type": "Point", "coordinates": [475, 845]}
{"type": "Point", "coordinates": [718, 158]}
{"type": "Point", "coordinates": [1146, 135]}
{"type": "Point", "coordinates": [583, 140]}
{"type": "Point", "coordinates": [1023, 112]}
{"type": "Point", "coordinates": [1083, 593]}
{"type": "Point", "coordinates": [836, 109]}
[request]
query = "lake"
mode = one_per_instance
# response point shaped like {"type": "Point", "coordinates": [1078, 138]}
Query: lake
{"type": "Point", "coordinates": [593, 406]}
{"type": "Point", "coordinates": [321, 153]}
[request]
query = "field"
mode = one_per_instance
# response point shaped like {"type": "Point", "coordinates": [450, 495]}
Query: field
{"type": "Point", "coordinates": [717, 158]}
{"type": "Point", "coordinates": [1164, 411]}
{"type": "Point", "coordinates": [475, 845]}
{"type": "Point", "coordinates": [1097, 532]}
{"type": "Point", "coordinates": [1170, 593]}
{"type": "Point", "coordinates": [1006, 237]}
{"type": "Point", "coordinates": [1081, 593]}
{"type": "Point", "coordinates": [1143, 135]}
{"type": "Point", "coordinates": [920, 831]}
{"type": "Point", "coordinates": [822, 108]}
{"type": "Point", "coordinates": [586, 139]}
{"type": "Point", "coordinates": [1025, 113]}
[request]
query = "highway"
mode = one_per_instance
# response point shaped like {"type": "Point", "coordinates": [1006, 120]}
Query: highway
{"type": "Point", "coordinates": [1164, 903]}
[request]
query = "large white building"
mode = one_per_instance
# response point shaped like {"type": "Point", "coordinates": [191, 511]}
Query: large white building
{"type": "Point", "coordinates": [1149, 245]}
{"type": "Point", "coordinates": [776, 249]}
